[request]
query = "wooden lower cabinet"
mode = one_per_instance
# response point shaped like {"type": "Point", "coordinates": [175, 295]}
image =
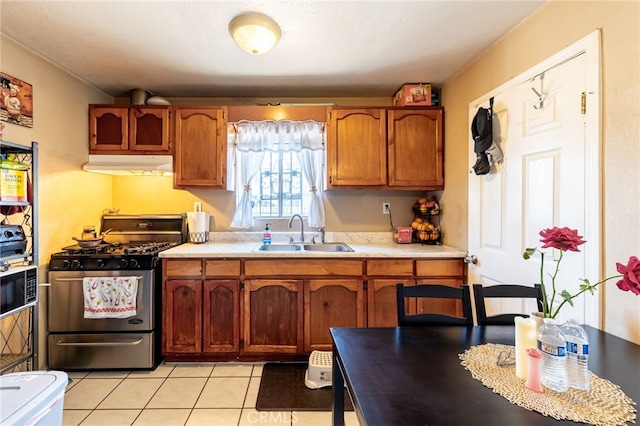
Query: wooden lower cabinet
{"type": "Point", "coordinates": [221, 316]}
{"type": "Point", "coordinates": [381, 298]}
{"type": "Point", "coordinates": [201, 316]}
{"type": "Point", "coordinates": [273, 316]}
{"type": "Point", "coordinates": [182, 319]}
{"type": "Point", "coordinates": [383, 275]}
{"type": "Point", "coordinates": [265, 308]}
{"type": "Point", "coordinates": [331, 303]}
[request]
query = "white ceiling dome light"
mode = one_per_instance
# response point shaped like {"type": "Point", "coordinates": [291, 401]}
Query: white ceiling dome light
{"type": "Point", "coordinates": [255, 33]}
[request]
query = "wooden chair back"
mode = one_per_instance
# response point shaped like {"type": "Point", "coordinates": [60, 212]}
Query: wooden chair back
{"type": "Point", "coordinates": [435, 291]}
{"type": "Point", "coordinates": [481, 292]}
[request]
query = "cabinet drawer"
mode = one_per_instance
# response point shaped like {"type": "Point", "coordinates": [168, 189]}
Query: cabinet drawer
{"type": "Point", "coordinates": [222, 268]}
{"type": "Point", "coordinates": [387, 267]}
{"type": "Point", "coordinates": [183, 268]}
{"type": "Point", "coordinates": [440, 268]}
{"type": "Point", "coordinates": [299, 267]}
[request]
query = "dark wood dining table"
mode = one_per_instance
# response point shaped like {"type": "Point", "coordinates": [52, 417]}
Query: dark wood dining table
{"type": "Point", "coordinates": [413, 375]}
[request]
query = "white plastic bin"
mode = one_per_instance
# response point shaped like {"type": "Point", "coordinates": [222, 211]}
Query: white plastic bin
{"type": "Point", "coordinates": [32, 398]}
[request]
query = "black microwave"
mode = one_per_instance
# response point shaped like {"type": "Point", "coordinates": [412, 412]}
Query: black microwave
{"type": "Point", "coordinates": [18, 289]}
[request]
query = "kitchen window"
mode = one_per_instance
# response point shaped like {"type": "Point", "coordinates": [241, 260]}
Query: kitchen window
{"type": "Point", "coordinates": [280, 187]}
{"type": "Point", "coordinates": [277, 170]}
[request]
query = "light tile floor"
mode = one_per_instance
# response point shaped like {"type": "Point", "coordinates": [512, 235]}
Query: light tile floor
{"type": "Point", "coordinates": [211, 394]}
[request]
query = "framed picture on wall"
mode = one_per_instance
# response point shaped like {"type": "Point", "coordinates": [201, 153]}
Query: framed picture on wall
{"type": "Point", "coordinates": [16, 101]}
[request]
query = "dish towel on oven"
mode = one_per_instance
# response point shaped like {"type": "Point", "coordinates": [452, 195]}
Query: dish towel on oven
{"type": "Point", "coordinates": [110, 297]}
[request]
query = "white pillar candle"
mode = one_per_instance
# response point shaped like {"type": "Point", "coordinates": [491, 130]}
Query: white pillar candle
{"type": "Point", "coordinates": [525, 339]}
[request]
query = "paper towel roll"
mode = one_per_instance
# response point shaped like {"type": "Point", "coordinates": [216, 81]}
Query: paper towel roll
{"type": "Point", "coordinates": [198, 224]}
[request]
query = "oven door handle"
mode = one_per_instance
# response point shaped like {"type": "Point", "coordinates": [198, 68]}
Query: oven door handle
{"type": "Point", "coordinates": [139, 277]}
{"type": "Point", "coordinates": [121, 343]}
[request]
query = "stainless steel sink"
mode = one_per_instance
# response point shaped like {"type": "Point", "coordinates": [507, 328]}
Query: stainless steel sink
{"type": "Point", "coordinates": [279, 247]}
{"type": "Point", "coordinates": [326, 248]}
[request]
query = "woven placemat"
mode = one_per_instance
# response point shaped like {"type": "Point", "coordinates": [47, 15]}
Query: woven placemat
{"type": "Point", "coordinates": [603, 404]}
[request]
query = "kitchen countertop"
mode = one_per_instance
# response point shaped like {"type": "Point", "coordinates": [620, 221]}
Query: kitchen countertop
{"type": "Point", "coordinates": [364, 244]}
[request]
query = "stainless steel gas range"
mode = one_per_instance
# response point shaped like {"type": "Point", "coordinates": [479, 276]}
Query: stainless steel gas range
{"type": "Point", "coordinates": [130, 249]}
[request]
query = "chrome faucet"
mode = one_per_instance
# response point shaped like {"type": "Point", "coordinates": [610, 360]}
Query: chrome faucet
{"type": "Point", "coordinates": [301, 225]}
{"type": "Point", "coordinates": [313, 240]}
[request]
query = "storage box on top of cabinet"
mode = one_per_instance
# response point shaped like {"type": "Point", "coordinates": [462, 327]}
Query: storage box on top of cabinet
{"type": "Point", "coordinates": [413, 94]}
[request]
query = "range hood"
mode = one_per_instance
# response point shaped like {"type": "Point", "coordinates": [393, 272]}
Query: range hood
{"type": "Point", "coordinates": [130, 165]}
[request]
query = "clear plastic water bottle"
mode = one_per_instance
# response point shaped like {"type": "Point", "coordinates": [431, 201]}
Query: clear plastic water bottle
{"type": "Point", "coordinates": [553, 368]}
{"type": "Point", "coordinates": [577, 344]}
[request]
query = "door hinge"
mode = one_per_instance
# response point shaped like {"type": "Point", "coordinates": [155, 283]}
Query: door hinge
{"type": "Point", "coordinates": [241, 285]}
{"type": "Point", "coordinates": [583, 103]}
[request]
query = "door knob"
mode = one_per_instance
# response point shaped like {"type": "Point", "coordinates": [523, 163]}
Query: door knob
{"type": "Point", "coordinates": [471, 258]}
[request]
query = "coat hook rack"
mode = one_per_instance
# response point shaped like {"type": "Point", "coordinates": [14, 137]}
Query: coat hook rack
{"type": "Point", "coordinates": [540, 94]}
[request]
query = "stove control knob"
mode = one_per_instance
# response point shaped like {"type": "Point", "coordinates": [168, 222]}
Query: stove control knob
{"type": "Point", "coordinates": [124, 263]}
{"type": "Point", "coordinates": [8, 233]}
{"type": "Point", "coordinates": [75, 264]}
{"type": "Point", "coordinates": [66, 264]}
{"type": "Point", "coordinates": [100, 263]}
{"type": "Point", "coordinates": [134, 264]}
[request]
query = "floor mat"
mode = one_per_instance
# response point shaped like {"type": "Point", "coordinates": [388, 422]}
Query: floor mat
{"type": "Point", "coordinates": [282, 388]}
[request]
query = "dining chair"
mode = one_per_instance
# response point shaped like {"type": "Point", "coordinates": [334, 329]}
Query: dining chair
{"type": "Point", "coordinates": [433, 291]}
{"type": "Point", "coordinates": [481, 292]}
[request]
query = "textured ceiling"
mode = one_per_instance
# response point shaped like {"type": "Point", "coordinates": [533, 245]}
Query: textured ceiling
{"type": "Point", "coordinates": [328, 48]}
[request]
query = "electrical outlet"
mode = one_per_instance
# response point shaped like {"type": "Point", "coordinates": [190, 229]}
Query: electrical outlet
{"type": "Point", "coordinates": [386, 208]}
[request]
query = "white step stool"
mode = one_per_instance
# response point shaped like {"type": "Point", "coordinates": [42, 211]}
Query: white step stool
{"type": "Point", "coordinates": [318, 375]}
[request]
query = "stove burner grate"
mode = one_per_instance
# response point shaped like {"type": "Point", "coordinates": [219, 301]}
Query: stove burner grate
{"type": "Point", "coordinates": [150, 247]}
{"type": "Point", "coordinates": [102, 248]}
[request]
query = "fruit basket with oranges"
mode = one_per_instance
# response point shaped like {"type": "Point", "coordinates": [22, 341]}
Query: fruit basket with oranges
{"type": "Point", "coordinates": [426, 222]}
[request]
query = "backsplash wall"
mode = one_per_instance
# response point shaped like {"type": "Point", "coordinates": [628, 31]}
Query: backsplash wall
{"type": "Point", "coordinates": [346, 210]}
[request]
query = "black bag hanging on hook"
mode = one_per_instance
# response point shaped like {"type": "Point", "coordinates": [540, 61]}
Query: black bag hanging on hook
{"type": "Point", "coordinates": [482, 132]}
{"type": "Point", "coordinates": [482, 138]}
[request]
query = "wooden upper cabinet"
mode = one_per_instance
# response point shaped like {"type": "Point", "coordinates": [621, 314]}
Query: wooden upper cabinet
{"type": "Point", "coordinates": [201, 147]}
{"type": "Point", "coordinates": [108, 130]}
{"type": "Point", "coordinates": [122, 129]}
{"type": "Point", "coordinates": [416, 148]}
{"type": "Point", "coordinates": [356, 147]}
{"type": "Point", "coordinates": [149, 129]}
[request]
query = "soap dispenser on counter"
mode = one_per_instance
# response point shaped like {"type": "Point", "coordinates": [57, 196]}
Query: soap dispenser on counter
{"type": "Point", "coordinates": [266, 238]}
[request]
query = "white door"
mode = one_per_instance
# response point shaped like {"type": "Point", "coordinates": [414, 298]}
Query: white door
{"type": "Point", "coordinates": [543, 182]}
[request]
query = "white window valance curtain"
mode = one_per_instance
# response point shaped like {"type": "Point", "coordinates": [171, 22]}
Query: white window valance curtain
{"type": "Point", "coordinates": [254, 138]}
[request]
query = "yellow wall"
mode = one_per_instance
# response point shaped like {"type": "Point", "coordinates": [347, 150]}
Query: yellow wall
{"type": "Point", "coordinates": [68, 196]}
{"type": "Point", "coordinates": [556, 25]}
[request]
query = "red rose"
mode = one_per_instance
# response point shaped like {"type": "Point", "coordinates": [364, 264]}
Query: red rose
{"type": "Point", "coordinates": [630, 275]}
{"type": "Point", "coordinates": [564, 239]}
